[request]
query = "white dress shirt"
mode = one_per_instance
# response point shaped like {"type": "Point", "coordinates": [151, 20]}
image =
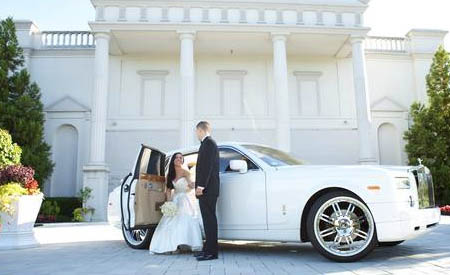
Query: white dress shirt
{"type": "Point", "coordinates": [207, 135]}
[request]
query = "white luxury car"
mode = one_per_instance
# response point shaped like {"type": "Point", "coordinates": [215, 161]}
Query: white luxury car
{"type": "Point", "coordinates": [269, 195]}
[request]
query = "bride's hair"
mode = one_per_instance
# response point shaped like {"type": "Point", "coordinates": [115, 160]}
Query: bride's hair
{"type": "Point", "coordinates": [171, 173]}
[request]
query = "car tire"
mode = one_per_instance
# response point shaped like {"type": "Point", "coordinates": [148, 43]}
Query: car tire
{"type": "Point", "coordinates": [138, 239]}
{"type": "Point", "coordinates": [387, 244]}
{"type": "Point", "coordinates": [339, 216]}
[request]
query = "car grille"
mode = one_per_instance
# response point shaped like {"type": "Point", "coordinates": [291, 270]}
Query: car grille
{"type": "Point", "coordinates": [425, 189]}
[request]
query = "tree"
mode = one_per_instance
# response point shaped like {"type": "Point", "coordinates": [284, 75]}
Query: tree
{"type": "Point", "coordinates": [429, 136]}
{"type": "Point", "coordinates": [21, 109]}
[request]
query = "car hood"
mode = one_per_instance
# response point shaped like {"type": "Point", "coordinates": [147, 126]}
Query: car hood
{"type": "Point", "coordinates": [394, 170]}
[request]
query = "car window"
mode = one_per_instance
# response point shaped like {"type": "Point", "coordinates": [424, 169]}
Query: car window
{"type": "Point", "coordinates": [150, 162]}
{"type": "Point", "coordinates": [272, 156]}
{"type": "Point", "coordinates": [190, 162]}
{"type": "Point", "coordinates": [227, 154]}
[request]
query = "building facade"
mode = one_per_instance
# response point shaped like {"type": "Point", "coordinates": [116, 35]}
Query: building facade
{"type": "Point", "coordinates": [300, 75]}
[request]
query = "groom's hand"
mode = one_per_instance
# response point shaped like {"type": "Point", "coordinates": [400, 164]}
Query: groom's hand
{"type": "Point", "coordinates": [199, 191]}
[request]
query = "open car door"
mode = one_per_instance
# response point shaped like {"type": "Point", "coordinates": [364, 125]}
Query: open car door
{"type": "Point", "coordinates": [142, 194]}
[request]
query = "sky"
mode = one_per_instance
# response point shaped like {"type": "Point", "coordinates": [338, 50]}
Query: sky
{"type": "Point", "coordinates": [384, 17]}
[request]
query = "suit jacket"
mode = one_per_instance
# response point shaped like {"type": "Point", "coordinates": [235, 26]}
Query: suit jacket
{"type": "Point", "coordinates": [207, 168]}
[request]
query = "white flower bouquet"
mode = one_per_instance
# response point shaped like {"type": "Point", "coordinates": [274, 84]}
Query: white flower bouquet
{"type": "Point", "coordinates": [169, 208]}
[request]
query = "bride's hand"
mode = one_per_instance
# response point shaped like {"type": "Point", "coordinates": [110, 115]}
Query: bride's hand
{"type": "Point", "coordinates": [191, 185]}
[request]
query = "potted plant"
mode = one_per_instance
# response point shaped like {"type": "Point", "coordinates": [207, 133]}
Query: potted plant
{"type": "Point", "coordinates": [49, 211]}
{"type": "Point", "coordinates": [20, 197]}
{"type": "Point", "coordinates": [445, 210]}
{"type": "Point", "coordinates": [85, 213]}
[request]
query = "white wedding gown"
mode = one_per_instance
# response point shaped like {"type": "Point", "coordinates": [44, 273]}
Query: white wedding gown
{"type": "Point", "coordinates": [185, 228]}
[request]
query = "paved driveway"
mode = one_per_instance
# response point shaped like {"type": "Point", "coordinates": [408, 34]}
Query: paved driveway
{"type": "Point", "coordinates": [98, 249]}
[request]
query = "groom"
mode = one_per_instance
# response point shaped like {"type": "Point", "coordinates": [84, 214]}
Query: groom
{"type": "Point", "coordinates": [207, 189]}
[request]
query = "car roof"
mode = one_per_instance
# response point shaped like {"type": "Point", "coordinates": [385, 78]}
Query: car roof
{"type": "Point", "coordinates": [225, 143]}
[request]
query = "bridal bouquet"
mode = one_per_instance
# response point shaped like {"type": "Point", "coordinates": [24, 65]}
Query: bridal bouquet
{"type": "Point", "coordinates": [169, 208]}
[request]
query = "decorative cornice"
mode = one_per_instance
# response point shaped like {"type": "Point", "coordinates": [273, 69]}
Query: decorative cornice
{"type": "Point", "coordinates": [357, 4]}
{"type": "Point", "coordinates": [146, 73]}
{"type": "Point", "coordinates": [426, 33]}
{"type": "Point", "coordinates": [24, 25]}
{"type": "Point", "coordinates": [307, 74]}
{"type": "Point", "coordinates": [231, 72]}
{"type": "Point", "coordinates": [279, 36]}
{"type": "Point", "coordinates": [186, 34]}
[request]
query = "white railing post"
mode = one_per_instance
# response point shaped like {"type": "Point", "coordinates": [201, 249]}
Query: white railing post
{"type": "Point", "coordinates": [69, 39]}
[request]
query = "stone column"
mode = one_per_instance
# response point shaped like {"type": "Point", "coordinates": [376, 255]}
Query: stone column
{"type": "Point", "coordinates": [280, 79]}
{"type": "Point", "coordinates": [366, 152]}
{"type": "Point", "coordinates": [422, 44]}
{"type": "Point", "coordinates": [96, 172]}
{"type": "Point", "coordinates": [187, 75]}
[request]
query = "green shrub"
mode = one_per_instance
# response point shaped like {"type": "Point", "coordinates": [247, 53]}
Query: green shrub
{"type": "Point", "coordinates": [78, 215]}
{"type": "Point", "coordinates": [429, 136]}
{"type": "Point", "coordinates": [66, 205]}
{"type": "Point", "coordinates": [50, 208]}
{"type": "Point", "coordinates": [9, 152]}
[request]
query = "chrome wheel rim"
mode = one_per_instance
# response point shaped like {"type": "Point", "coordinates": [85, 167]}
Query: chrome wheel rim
{"type": "Point", "coordinates": [343, 226]}
{"type": "Point", "coordinates": [136, 237]}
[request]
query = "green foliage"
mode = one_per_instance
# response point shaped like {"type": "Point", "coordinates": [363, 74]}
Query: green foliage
{"type": "Point", "coordinates": [85, 194]}
{"type": "Point", "coordinates": [8, 194]}
{"type": "Point", "coordinates": [77, 215]}
{"type": "Point", "coordinates": [429, 136]}
{"type": "Point", "coordinates": [21, 109]}
{"type": "Point", "coordinates": [80, 213]}
{"type": "Point", "coordinates": [9, 152]}
{"type": "Point", "coordinates": [66, 204]}
{"type": "Point", "coordinates": [50, 208]}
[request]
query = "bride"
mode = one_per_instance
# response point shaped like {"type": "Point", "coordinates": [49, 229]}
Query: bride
{"type": "Point", "coordinates": [183, 229]}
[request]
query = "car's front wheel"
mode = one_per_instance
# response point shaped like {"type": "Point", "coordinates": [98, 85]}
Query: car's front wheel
{"type": "Point", "coordinates": [341, 227]}
{"type": "Point", "coordinates": [138, 239]}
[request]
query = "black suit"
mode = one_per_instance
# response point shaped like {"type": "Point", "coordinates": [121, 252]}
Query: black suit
{"type": "Point", "coordinates": [207, 176]}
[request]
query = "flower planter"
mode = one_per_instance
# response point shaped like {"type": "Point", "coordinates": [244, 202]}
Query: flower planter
{"type": "Point", "coordinates": [87, 217]}
{"type": "Point", "coordinates": [445, 210]}
{"type": "Point", "coordinates": [17, 231]}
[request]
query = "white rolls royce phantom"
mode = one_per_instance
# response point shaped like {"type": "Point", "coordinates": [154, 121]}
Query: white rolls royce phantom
{"type": "Point", "coordinates": [269, 195]}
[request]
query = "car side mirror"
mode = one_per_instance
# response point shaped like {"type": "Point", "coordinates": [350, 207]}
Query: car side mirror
{"type": "Point", "coordinates": [239, 165]}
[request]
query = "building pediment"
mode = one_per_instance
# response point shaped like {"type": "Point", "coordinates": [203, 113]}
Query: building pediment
{"type": "Point", "coordinates": [386, 104]}
{"type": "Point", "coordinates": [67, 104]}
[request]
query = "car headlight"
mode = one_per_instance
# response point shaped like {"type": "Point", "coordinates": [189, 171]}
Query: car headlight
{"type": "Point", "coordinates": [402, 183]}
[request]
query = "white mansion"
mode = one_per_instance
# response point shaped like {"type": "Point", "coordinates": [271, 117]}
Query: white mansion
{"type": "Point", "coordinates": [300, 75]}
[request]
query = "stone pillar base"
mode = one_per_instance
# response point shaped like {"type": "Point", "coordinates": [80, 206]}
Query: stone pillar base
{"type": "Point", "coordinates": [96, 177]}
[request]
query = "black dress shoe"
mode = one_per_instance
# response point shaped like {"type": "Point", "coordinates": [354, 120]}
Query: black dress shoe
{"type": "Point", "coordinates": [207, 257]}
{"type": "Point", "coordinates": [199, 253]}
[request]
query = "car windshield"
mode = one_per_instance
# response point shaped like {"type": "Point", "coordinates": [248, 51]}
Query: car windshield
{"type": "Point", "coordinates": [272, 156]}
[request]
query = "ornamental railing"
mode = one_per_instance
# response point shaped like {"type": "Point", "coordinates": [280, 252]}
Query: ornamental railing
{"type": "Point", "coordinates": [386, 44]}
{"type": "Point", "coordinates": [67, 39]}
{"type": "Point", "coordinates": [85, 39]}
